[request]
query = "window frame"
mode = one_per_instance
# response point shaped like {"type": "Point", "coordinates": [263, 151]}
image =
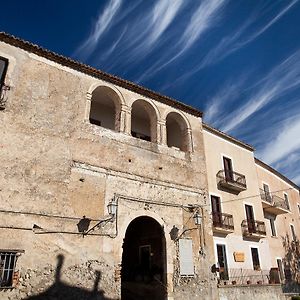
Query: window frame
{"type": "Point", "coordinates": [256, 267]}
{"type": "Point", "coordinates": [286, 198]}
{"type": "Point", "coordinates": [293, 233]}
{"type": "Point", "coordinates": [6, 269]}
{"type": "Point", "coordinates": [272, 221]}
{"type": "Point", "coordinates": [4, 73]}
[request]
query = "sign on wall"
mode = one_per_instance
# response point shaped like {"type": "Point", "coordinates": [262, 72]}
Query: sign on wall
{"type": "Point", "coordinates": [239, 256]}
{"type": "Point", "coordinates": [186, 261]}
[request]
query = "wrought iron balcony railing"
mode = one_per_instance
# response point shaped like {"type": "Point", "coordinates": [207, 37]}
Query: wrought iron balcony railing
{"type": "Point", "coordinates": [223, 221]}
{"type": "Point", "coordinates": [231, 180]}
{"type": "Point", "coordinates": [275, 202]}
{"type": "Point", "coordinates": [249, 276]}
{"type": "Point", "coordinates": [253, 228]}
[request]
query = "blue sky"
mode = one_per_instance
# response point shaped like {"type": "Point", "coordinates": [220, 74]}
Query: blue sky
{"type": "Point", "coordinates": [238, 61]}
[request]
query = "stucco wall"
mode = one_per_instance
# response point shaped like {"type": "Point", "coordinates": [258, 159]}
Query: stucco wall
{"type": "Point", "coordinates": [234, 204]}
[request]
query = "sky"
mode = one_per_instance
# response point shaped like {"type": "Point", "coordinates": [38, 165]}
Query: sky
{"type": "Point", "coordinates": [238, 61]}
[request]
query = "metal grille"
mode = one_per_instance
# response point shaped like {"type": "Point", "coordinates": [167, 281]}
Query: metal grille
{"type": "Point", "coordinates": [247, 276]}
{"type": "Point", "coordinates": [222, 220]}
{"type": "Point", "coordinates": [228, 176]}
{"type": "Point", "coordinates": [7, 267]}
{"type": "Point", "coordinates": [253, 226]}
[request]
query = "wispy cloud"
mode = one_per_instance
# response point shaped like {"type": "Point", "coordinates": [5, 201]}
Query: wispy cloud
{"type": "Point", "coordinates": [215, 107]}
{"type": "Point", "coordinates": [269, 24]}
{"type": "Point", "coordinates": [204, 18]}
{"type": "Point", "coordinates": [163, 14]}
{"type": "Point", "coordinates": [281, 80]}
{"type": "Point", "coordinates": [101, 25]}
{"type": "Point", "coordinates": [285, 142]}
{"type": "Point", "coordinates": [236, 40]}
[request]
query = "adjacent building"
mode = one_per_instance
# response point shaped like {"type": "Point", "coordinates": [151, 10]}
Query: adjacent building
{"type": "Point", "coordinates": [111, 190]}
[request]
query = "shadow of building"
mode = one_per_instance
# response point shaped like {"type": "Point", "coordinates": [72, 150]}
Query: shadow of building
{"type": "Point", "coordinates": [61, 290]}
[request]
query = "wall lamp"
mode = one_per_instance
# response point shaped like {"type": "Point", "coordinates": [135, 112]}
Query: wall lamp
{"type": "Point", "coordinates": [112, 207]}
{"type": "Point", "coordinates": [197, 218]}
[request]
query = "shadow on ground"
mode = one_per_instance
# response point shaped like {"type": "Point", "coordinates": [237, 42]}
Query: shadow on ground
{"type": "Point", "coordinates": [61, 290]}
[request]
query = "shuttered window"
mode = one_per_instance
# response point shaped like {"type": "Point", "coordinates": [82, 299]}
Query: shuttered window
{"type": "Point", "coordinates": [186, 257]}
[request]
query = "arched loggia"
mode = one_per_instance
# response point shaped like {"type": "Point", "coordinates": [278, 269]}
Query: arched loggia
{"type": "Point", "coordinates": [105, 108]}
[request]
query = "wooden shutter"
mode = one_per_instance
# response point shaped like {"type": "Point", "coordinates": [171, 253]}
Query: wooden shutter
{"type": "Point", "coordinates": [186, 261]}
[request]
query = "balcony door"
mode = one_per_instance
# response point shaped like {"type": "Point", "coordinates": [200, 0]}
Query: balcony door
{"type": "Point", "coordinates": [216, 211]}
{"type": "Point", "coordinates": [228, 169]}
{"type": "Point", "coordinates": [250, 218]}
{"type": "Point", "coordinates": [222, 260]}
{"type": "Point", "coordinates": [267, 192]}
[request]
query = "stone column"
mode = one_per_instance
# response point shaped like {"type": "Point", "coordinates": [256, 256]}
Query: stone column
{"type": "Point", "coordinates": [125, 126]}
{"type": "Point", "coordinates": [161, 132]}
{"type": "Point", "coordinates": [189, 141]}
{"type": "Point", "coordinates": [88, 106]}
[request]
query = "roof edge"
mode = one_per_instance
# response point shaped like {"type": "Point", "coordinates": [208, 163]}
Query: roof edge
{"type": "Point", "coordinates": [228, 137]}
{"type": "Point", "coordinates": [272, 170]}
{"type": "Point", "coordinates": [88, 70]}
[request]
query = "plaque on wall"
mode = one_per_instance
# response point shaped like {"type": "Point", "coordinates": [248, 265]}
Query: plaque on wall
{"type": "Point", "coordinates": [239, 256]}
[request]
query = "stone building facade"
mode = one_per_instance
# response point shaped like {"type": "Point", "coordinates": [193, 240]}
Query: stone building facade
{"type": "Point", "coordinates": [75, 140]}
{"type": "Point", "coordinates": [106, 189]}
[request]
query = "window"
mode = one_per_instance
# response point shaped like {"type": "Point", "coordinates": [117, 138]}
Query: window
{"type": "Point", "coordinates": [267, 195]}
{"type": "Point", "coordinates": [7, 268]}
{"type": "Point", "coordinates": [228, 169]}
{"type": "Point", "coordinates": [280, 268]}
{"type": "Point", "coordinates": [3, 70]}
{"type": "Point", "coordinates": [287, 201]}
{"type": "Point", "coordinates": [216, 211]}
{"type": "Point", "coordinates": [222, 261]}
{"type": "Point", "coordinates": [294, 237]}
{"type": "Point", "coordinates": [255, 259]}
{"type": "Point", "coordinates": [272, 225]}
{"type": "Point", "coordinates": [250, 218]}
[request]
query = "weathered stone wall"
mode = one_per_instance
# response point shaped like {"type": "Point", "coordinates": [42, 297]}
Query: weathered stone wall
{"type": "Point", "coordinates": [57, 168]}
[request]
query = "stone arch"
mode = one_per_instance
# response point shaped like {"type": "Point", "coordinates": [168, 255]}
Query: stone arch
{"type": "Point", "coordinates": [144, 259]}
{"type": "Point", "coordinates": [105, 106]}
{"type": "Point", "coordinates": [144, 117]}
{"type": "Point", "coordinates": [178, 131]}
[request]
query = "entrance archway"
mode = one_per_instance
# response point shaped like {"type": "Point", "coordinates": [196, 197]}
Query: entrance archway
{"type": "Point", "coordinates": [144, 261]}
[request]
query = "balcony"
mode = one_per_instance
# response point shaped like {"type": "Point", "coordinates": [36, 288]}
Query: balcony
{"type": "Point", "coordinates": [231, 180]}
{"type": "Point", "coordinates": [222, 223]}
{"type": "Point", "coordinates": [253, 229]}
{"type": "Point", "coordinates": [273, 204]}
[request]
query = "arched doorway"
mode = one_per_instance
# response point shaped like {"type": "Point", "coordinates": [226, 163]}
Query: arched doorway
{"type": "Point", "coordinates": [144, 261]}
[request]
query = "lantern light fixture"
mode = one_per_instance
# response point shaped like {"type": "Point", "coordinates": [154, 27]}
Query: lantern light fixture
{"type": "Point", "coordinates": [197, 218]}
{"type": "Point", "coordinates": [112, 207]}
